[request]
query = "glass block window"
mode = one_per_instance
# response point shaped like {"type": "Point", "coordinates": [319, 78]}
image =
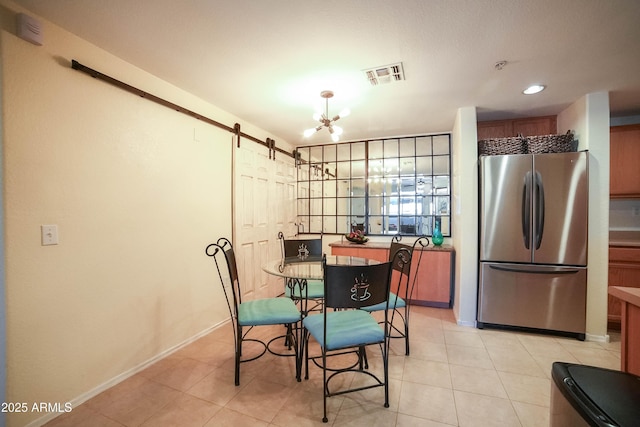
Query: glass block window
{"type": "Point", "coordinates": [385, 186]}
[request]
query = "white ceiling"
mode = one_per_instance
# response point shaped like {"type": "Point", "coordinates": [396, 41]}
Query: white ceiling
{"type": "Point", "coordinates": [266, 61]}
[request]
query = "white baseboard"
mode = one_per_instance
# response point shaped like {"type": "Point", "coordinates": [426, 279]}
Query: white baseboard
{"type": "Point", "coordinates": [123, 376]}
{"type": "Point", "coordinates": [597, 338]}
{"type": "Point", "coordinates": [470, 323]}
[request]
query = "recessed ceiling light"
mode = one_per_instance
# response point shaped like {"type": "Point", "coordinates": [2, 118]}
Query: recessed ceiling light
{"type": "Point", "coordinates": [533, 89]}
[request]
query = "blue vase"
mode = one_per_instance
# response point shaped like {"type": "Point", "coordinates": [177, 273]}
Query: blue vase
{"type": "Point", "coordinates": [436, 237]}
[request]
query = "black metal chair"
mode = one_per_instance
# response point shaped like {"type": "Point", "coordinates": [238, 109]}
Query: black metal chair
{"type": "Point", "coordinates": [301, 250]}
{"type": "Point", "coordinates": [249, 314]}
{"type": "Point", "coordinates": [402, 292]}
{"type": "Point", "coordinates": [343, 328]}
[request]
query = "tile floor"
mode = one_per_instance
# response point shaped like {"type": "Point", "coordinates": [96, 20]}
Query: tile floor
{"type": "Point", "coordinates": [455, 376]}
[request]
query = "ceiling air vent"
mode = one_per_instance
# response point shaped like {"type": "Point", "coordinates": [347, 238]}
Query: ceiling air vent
{"type": "Point", "coordinates": [385, 74]}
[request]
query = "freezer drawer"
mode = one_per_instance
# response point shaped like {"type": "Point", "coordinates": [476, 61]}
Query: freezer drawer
{"type": "Point", "coordinates": [530, 296]}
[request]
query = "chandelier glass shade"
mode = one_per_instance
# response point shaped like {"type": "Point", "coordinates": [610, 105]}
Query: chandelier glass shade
{"type": "Point", "coordinates": [327, 121]}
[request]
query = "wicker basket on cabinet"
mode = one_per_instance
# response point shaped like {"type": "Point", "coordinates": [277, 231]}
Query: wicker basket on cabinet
{"type": "Point", "coordinates": [498, 146]}
{"type": "Point", "coordinates": [562, 143]}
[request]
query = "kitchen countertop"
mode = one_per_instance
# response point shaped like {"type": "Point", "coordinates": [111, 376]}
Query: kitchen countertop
{"type": "Point", "coordinates": [630, 332]}
{"type": "Point", "coordinates": [630, 295]}
{"type": "Point", "coordinates": [385, 245]}
{"type": "Point", "coordinates": [624, 238]}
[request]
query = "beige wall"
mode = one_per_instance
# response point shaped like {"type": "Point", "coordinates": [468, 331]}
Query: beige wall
{"type": "Point", "coordinates": [465, 215]}
{"type": "Point", "coordinates": [588, 117]}
{"type": "Point", "coordinates": [137, 190]}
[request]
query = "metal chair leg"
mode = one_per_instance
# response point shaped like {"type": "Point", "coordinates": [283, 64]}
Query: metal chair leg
{"type": "Point", "coordinates": [325, 389]}
{"type": "Point", "coordinates": [306, 354]}
{"type": "Point", "coordinates": [362, 358]}
{"type": "Point", "coordinates": [406, 338]}
{"type": "Point", "coordinates": [238, 356]}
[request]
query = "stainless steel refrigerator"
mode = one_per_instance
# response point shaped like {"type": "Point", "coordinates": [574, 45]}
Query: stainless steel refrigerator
{"type": "Point", "coordinates": [533, 241]}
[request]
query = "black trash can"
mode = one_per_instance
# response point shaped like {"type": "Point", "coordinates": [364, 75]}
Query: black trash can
{"type": "Point", "coordinates": [589, 396]}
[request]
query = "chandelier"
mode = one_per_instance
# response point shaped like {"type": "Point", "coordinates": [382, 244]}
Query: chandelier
{"type": "Point", "coordinates": [325, 121]}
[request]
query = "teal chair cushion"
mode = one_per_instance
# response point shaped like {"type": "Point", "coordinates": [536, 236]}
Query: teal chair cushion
{"type": "Point", "coordinates": [393, 299]}
{"type": "Point", "coordinates": [269, 311]}
{"type": "Point", "coordinates": [347, 328]}
{"type": "Point", "coordinates": [315, 290]}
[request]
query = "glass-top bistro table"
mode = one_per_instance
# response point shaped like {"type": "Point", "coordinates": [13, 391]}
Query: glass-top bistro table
{"type": "Point", "coordinates": [298, 270]}
{"type": "Point", "coordinates": [310, 268]}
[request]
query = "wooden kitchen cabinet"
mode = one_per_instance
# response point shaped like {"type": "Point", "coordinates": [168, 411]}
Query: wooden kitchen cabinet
{"type": "Point", "coordinates": [630, 332]}
{"type": "Point", "coordinates": [624, 157]}
{"type": "Point", "coordinates": [434, 285]}
{"type": "Point", "coordinates": [530, 126]}
{"type": "Point", "coordinates": [435, 279]}
{"type": "Point", "coordinates": [379, 254]}
{"type": "Point", "coordinates": [624, 270]}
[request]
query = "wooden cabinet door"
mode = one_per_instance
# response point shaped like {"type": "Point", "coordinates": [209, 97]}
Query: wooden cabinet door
{"type": "Point", "coordinates": [530, 126]}
{"type": "Point", "coordinates": [378, 254]}
{"type": "Point", "coordinates": [624, 160]}
{"type": "Point", "coordinates": [381, 255]}
{"type": "Point", "coordinates": [533, 126]}
{"type": "Point", "coordinates": [433, 285]}
{"type": "Point", "coordinates": [624, 270]}
{"type": "Point", "coordinates": [342, 251]}
{"type": "Point", "coordinates": [494, 129]}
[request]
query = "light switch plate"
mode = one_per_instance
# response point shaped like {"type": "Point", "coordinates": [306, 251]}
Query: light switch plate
{"type": "Point", "coordinates": [49, 234]}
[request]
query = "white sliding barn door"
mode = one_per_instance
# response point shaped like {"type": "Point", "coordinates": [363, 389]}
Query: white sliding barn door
{"type": "Point", "coordinates": [264, 194]}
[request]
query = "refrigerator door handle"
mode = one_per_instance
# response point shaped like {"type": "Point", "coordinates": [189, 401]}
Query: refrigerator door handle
{"type": "Point", "coordinates": [555, 271]}
{"type": "Point", "coordinates": [526, 209]}
{"type": "Point", "coordinates": [539, 216]}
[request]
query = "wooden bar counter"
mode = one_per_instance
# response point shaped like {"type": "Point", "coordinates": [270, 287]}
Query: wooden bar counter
{"type": "Point", "coordinates": [435, 280]}
{"type": "Point", "coordinates": [630, 332]}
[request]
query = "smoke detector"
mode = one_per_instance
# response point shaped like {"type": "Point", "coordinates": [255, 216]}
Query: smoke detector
{"type": "Point", "coordinates": [385, 74]}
